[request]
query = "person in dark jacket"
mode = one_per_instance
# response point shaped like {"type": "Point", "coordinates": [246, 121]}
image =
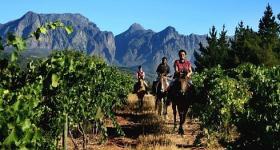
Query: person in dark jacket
{"type": "Point", "coordinates": [163, 70]}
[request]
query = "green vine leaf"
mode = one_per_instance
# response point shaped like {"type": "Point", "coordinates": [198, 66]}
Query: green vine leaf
{"type": "Point", "coordinates": [69, 29]}
{"type": "Point", "coordinates": [12, 138]}
{"type": "Point", "coordinates": [16, 42]}
{"type": "Point", "coordinates": [51, 26]}
{"type": "Point", "coordinates": [99, 114]}
{"type": "Point", "coordinates": [58, 24]}
{"type": "Point", "coordinates": [14, 56]}
{"type": "Point", "coordinates": [43, 30]}
{"type": "Point", "coordinates": [55, 80]}
{"type": "Point", "coordinates": [26, 125]}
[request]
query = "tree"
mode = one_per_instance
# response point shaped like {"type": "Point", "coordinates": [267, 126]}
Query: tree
{"type": "Point", "coordinates": [244, 46]}
{"type": "Point", "coordinates": [269, 35]}
{"type": "Point", "coordinates": [268, 29]}
{"type": "Point", "coordinates": [203, 60]}
{"type": "Point", "coordinates": [215, 53]}
{"type": "Point", "coordinates": [223, 49]}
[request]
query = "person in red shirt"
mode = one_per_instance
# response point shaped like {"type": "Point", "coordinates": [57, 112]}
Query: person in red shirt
{"type": "Point", "coordinates": [140, 74]}
{"type": "Point", "coordinates": [182, 65]}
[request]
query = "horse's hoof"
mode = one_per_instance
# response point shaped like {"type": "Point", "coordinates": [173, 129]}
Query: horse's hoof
{"type": "Point", "coordinates": [181, 131]}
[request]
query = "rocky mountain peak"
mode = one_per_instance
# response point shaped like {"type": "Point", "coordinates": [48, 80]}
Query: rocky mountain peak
{"type": "Point", "coordinates": [169, 30]}
{"type": "Point", "coordinates": [86, 36]}
{"type": "Point", "coordinates": [136, 46]}
{"type": "Point", "coordinates": [135, 27]}
{"type": "Point", "coordinates": [29, 14]}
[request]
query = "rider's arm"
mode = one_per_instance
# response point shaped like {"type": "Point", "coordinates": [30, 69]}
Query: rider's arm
{"type": "Point", "coordinates": [176, 69]}
{"type": "Point", "coordinates": [189, 72]}
{"type": "Point", "coordinates": [158, 72]}
{"type": "Point", "coordinates": [137, 75]}
{"type": "Point", "coordinates": [168, 69]}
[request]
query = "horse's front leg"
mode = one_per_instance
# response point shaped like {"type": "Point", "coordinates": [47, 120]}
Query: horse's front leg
{"type": "Point", "coordinates": [164, 106]}
{"type": "Point", "coordinates": [174, 115]}
{"type": "Point", "coordinates": [182, 120]}
{"type": "Point", "coordinates": [141, 102]}
{"type": "Point", "coordinates": [183, 113]}
{"type": "Point", "coordinates": [160, 106]}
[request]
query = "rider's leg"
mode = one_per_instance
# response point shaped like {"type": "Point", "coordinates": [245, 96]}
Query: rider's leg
{"type": "Point", "coordinates": [146, 86]}
{"type": "Point", "coordinates": [166, 85]}
{"type": "Point", "coordinates": [157, 83]}
{"type": "Point", "coordinates": [145, 83]}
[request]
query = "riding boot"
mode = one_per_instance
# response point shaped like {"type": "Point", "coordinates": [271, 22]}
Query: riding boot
{"type": "Point", "coordinates": [190, 82]}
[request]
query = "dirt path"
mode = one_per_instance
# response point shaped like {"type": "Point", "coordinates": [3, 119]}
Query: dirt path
{"type": "Point", "coordinates": [144, 129]}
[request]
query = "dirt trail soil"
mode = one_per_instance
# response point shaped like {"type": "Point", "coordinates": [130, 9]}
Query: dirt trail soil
{"type": "Point", "coordinates": [145, 129]}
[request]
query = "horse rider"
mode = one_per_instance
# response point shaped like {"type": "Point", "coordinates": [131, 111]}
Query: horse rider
{"type": "Point", "coordinates": [182, 65]}
{"type": "Point", "coordinates": [163, 69]}
{"type": "Point", "coordinates": [140, 74]}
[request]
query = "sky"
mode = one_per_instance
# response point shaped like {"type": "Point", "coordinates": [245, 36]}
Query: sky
{"type": "Point", "coordinates": [186, 16]}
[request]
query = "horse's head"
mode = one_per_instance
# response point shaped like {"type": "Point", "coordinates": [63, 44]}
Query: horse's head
{"type": "Point", "coordinates": [162, 84]}
{"type": "Point", "coordinates": [183, 84]}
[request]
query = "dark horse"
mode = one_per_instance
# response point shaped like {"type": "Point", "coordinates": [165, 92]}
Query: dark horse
{"type": "Point", "coordinates": [161, 94]}
{"type": "Point", "coordinates": [140, 90]}
{"type": "Point", "coordinates": [179, 96]}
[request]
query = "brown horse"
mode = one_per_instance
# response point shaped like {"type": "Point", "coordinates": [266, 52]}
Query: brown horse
{"type": "Point", "coordinates": [161, 94]}
{"type": "Point", "coordinates": [140, 90]}
{"type": "Point", "coordinates": [179, 96]}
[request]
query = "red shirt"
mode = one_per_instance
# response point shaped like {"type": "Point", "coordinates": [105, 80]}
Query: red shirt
{"type": "Point", "coordinates": [183, 66]}
{"type": "Point", "coordinates": [140, 74]}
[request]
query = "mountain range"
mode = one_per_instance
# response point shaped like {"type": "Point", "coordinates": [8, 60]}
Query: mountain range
{"type": "Point", "coordinates": [135, 46]}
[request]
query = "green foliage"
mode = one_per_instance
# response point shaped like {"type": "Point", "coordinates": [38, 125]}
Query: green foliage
{"type": "Point", "coordinates": [35, 102]}
{"type": "Point", "coordinates": [216, 53]}
{"type": "Point", "coordinates": [225, 98]}
{"type": "Point", "coordinates": [18, 104]}
{"type": "Point", "coordinates": [18, 112]}
{"type": "Point", "coordinates": [16, 42]}
{"type": "Point", "coordinates": [260, 47]}
{"type": "Point", "coordinates": [69, 29]}
{"type": "Point", "coordinates": [269, 34]}
{"type": "Point", "coordinates": [246, 98]}
{"type": "Point", "coordinates": [87, 90]}
{"type": "Point", "coordinates": [245, 46]}
{"type": "Point", "coordinates": [263, 112]}
{"type": "Point", "coordinates": [51, 26]}
{"type": "Point", "coordinates": [268, 29]}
